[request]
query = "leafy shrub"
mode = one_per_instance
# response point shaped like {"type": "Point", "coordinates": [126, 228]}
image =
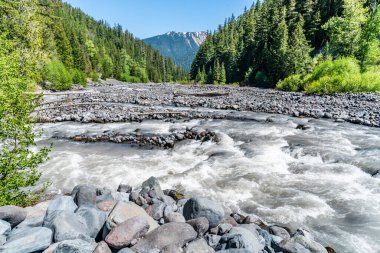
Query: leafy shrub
{"type": "Point", "coordinates": [130, 79]}
{"type": "Point", "coordinates": [56, 76]}
{"type": "Point", "coordinates": [292, 83]}
{"type": "Point", "coordinates": [339, 67]}
{"type": "Point", "coordinates": [79, 77]}
{"type": "Point", "coordinates": [94, 77]}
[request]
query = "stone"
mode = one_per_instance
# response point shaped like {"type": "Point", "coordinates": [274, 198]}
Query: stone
{"type": "Point", "coordinates": [14, 215]}
{"type": "Point", "coordinates": [156, 211]}
{"type": "Point", "coordinates": [235, 251]}
{"type": "Point", "coordinates": [67, 226]}
{"type": "Point", "coordinates": [199, 246]}
{"type": "Point", "coordinates": [102, 247]}
{"type": "Point", "coordinates": [213, 240]}
{"type": "Point", "coordinates": [268, 240]}
{"type": "Point", "coordinates": [75, 246]}
{"type": "Point", "coordinates": [124, 188]}
{"type": "Point", "coordinates": [5, 227]}
{"type": "Point", "coordinates": [174, 194]}
{"type": "Point", "coordinates": [241, 238]}
{"type": "Point", "coordinates": [37, 210]}
{"type": "Point", "coordinates": [126, 250]}
{"type": "Point", "coordinates": [120, 196]}
{"type": "Point", "coordinates": [153, 184]}
{"type": "Point", "coordinates": [51, 248]}
{"type": "Point", "coordinates": [95, 219]}
{"type": "Point", "coordinates": [62, 203]}
{"type": "Point", "coordinates": [279, 231]}
{"type": "Point", "coordinates": [200, 225]}
{"type": "Point", "coordinates": [103, 191]}
{"type": "Point", "coordinates": [84, 195]}
{"type": "Point", "coordinates": [174, 217]}
{"type": "Point", "coordinates": [172, 249]}
{"type": "Point", "coordinates": [290, 246]}
{"type": "Point", "coordinates": [31, 222]}
{"type": "Point", "coordinates": [309, 244]}
{"type": "Point", "coordinates": [203, 207]}
{"type": "Point", "coordinates": [27, 240]}
{"type": "Point", "coordinates": [124, 233]}
{"type": "Point", "coordinates": [176, 234]}
{"type": "Point", "coordinates": [106, 206]}
{"type": "Point", "coordinates": [170, 209]}
{"type": "Point", "coordinates": [124, 211]}
{"type": "Point", "coordinates": [255, 220]}
{"type": "Point", "coordinates": [3, 239]}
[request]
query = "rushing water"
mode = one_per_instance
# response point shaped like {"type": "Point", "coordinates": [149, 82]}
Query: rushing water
{"type": "Point", "coordinates": [320, 177]}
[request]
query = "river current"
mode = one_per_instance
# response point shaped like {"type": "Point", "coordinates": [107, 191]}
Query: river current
{"type": "Point", "coordinates": [320, 178]}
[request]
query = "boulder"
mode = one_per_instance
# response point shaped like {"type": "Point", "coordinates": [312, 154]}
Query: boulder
{"type": "Point", "coordinates": [174, 194]}
{"type": "Point", "coordinates": [75, 246]}
{"type": "Point", "coordinates": [290, 246]}
{"type": "Point", "coordinates": [235, 251]}
{"type": "Point", "coordinates": [84, 195]}
{"type": "Point", "coordinates": [176, 234]}
{"type": "Point", "coordinates": [3, 239]}
{"type": "Point", "coordinates": [14, 215]}
{"type": "Point", "coordinates": [5, 227]}
{"type": "Point", "coordinates": [62, 203]}
{"type": "Point", "coordinates": [124, 188]}
{"type": "Point", "coordinates": [95, 219]}
{"type": "Point", "coordinates": [31, 222]}
{"type": "Point", "coordinates": [156, 211]}
{"type": "Point", "coordinates": [279, 231]}
{"type": "Point", "coordinates": [241, 238]}
{"type": "Point", "coordinates": [203, 207]}
{"type": "Point", "coordinates": [120, 196]}
{"type": "Point", "coordinates": [174, 217]}
{"type": "Point", "coordinates": [199, 246]}
{"type": "Point", "coordinates": [200, 225]}
{"type": "Point", "coordinates": [309, 244]}
{"type": "Point", "coordinates": [124, 233]}
{"type": "Point", "coordinates": [51, 248]}
{"type": "Point", "coordinates": [152, 184]}
{"type": "Point", "coordinates": [106, 206]}
{"type": "Point", "coordinates": [255, 220]}
{"type": "Point", "coordinates": [124, 211]}
{"type": "Point", "coordinates": [27, 240]}
{"type": "Point", "coordinates": [172, 249]}
{"type": "Point", "coordinates": [102, 247]}
{"type": "Point", "coordinates": [67, 226]}
{"type": "Point", "coordinates": [126, 250]}
{"type": "Point", "coordinates": [213, 240]}
{"type": "Point", "coordinates": [37, 210]}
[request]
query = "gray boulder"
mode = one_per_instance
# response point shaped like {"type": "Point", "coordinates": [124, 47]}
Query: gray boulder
{"type": "Point", "coordinates": [67, 226]}
{"type": "Point", "coordinates": [175, 234]}
{"type": "Point", "coordinates": [174, 217]}
{"type": "Point", "coordinates": [31, 222]}
{"type": "Point", "coordinates": [290, 247]}
{"type": "Point", "coordinates": [152, 184]}
{"type": "Point", "coordinates": [27, 240]}
{"type": "Point", "coordinates": [84, 195]}
{"type": "Point", "coordinates": [102, 247]}
{"type": "Point", "coordinates": [156, 211]}
{"type": "Point", "coordinates": [279, 231]}
{"type": "Point", "coordinates": [213, 240]}
{"type": "Point", "coordinates": [203, 207]}
{"type": "Point", "coordinates": [94, 218]}
{"type": "Point", "coordinates": [200, 225]}
{"type": "Point", "coordinates": [172, 249]}
{"type": "Point", "coordinates": [62, 203]}
{"type": "Point", "coordinates": [309, 244]}
{"type": "Point", "coordinates": [3, 239]}
{"type": "Point", "coordinates": [241, 238]}
{"type": "Point", "coordinates": [14, 215]}
{"type": "Point", "coordinates": [124, 233]}
{"type": "Point", "coordinates": [75, 246]}
{"type": "Point", "coordinates": [124, 211]}
{"type": "Point", "coordinates": [5, 227]}
{"type": "Point", "coordinates": [199, 246]}
{"type": "Point", "coordinates": [126, 250]}
{"type": "Point", "coordinates": [235, 251]}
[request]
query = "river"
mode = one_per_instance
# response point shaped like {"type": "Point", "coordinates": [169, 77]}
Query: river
{"type": "Point", "coordinates": [319, 178]}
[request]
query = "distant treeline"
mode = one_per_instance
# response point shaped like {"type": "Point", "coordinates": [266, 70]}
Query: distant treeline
{"type": "Point", "coordinates": [275, 39]}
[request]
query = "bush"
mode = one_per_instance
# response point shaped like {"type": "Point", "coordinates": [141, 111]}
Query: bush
{"type": "Point", "coordinates": [292, 83]}
{"type": "Point", "coordinates": [339, 67]}
{"type": "Point", "coordinates": [130, 79]}
{"type": "Point", "coordinates": [56, 76]}
{"type": "Point", "coordinates": [94, 77]}
{"type": "Point", "coordinates": [79, 77]}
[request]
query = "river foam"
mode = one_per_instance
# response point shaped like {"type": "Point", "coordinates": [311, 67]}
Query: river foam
{"type": "Point", "coordinates": [319, 178]}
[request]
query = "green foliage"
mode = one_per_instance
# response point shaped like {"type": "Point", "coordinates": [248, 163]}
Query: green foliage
{"type": "Point", "coordinates": [94, 77]}
{"type": "Point", "coordinates": [341, 75]}
{"type": "Point", "coordinates": [292, 83]}
{"type": "Point", "coordinates": [56, 76]}
{"type": "Point", "coordinates": [21, 52]}
{"type": "Point", "coordinates": [78, 77]}
{"type": "Point", "coordinates": [130, 79]}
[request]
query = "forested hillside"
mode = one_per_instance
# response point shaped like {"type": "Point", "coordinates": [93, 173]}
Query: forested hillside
{"type": "Point", "coordinates": [276, 39]}
{"type": "Point", "coordinates": [76, 46]}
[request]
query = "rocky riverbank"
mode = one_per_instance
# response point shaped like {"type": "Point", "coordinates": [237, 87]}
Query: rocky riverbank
{"type": "Point", "coordinates": [145, 220]}
{"type": "Point", "coordinates": [114, 101]}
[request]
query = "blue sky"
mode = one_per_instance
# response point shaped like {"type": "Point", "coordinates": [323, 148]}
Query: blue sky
{"type": "Point", "coordinates": [146, 18]}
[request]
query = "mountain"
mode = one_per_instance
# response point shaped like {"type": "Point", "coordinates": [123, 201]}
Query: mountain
{"type": "Point", "coordinates": [181, 47]}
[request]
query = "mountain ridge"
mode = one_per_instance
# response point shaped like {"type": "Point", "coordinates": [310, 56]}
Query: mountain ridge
{"type": "Point", "coordinates": [181, 47]}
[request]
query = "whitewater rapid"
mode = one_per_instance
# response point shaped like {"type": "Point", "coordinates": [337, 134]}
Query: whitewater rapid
{"type": "Point", "coordinates": [319, 178]}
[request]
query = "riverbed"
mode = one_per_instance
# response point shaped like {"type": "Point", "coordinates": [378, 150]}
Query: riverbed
{"type": "Point", "coordinates": [299, 172]}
